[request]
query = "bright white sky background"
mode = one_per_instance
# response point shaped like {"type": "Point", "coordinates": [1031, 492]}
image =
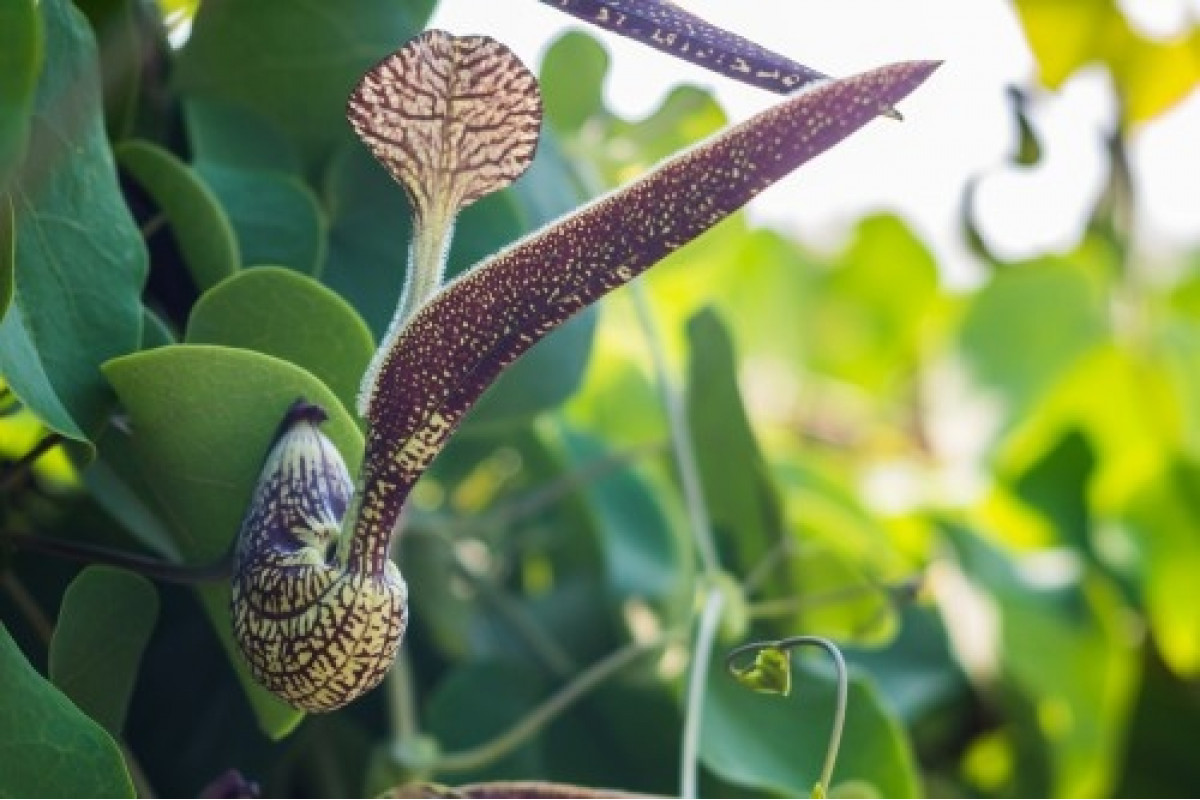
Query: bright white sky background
{"type": "Point", "coordinates": [958, 125]}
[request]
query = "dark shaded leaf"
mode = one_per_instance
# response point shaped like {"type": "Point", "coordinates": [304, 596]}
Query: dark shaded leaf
{"type": "Point", "coordinates": [276, 217]}
{"type": "Point", "coordinates": [8, 248]}
{"type": "Point", "coordinates": [235, 136]}
{"type": "Point", "coordinates": [294, 62]}
{"type": "Point", "coordinates": [119, 35]}
{"type": "Point", "coordinates": [1029, 147]}
{"type": "Point", "coordinates": [370, 226]}
{"type": "Point", "coordinates": [644, 556]}
{"type": "Point", "coordinates": [50, 748]}
{"type": "Point", "coordinates": [103, 625]}
{"type": "Point", "coordinates": [1063, 645]}
{"type": "Point", "coordinates": [743, 502]}
{"type": "Point", "coordinates": [201, 229]}
{"type": "Point", "coordinates": [479, 701]}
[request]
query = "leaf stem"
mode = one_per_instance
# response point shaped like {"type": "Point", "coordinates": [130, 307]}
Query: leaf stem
{"type": "Point", "coordinates": [542, 645]}
{"type": "Point", "coordinates": [681, 440]}
{"type": "Point", "coordinates": [18, 468]}
{"type": "Point", "coordinates": [402, 695]}
{"type": "Point", "coordinates": [702, 535]}
{"type": "Point", "coordinates": [897, 594]}
{"type": "Point", "coordinates": [33, 613]}
{"type": "Point", "coordinates": [531, 724]}
{"type": "Point", "coordinates": [839, 714]}
{"type": "Point", "coordinates": [706, 637]}
{"type": "Point", "coordinates": [143, 565]}
{"type": "Point", "coordinates": [426, 260]}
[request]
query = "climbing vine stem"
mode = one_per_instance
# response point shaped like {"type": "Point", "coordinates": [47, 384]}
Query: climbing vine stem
{"type": "Point", "coordinates": [702, 535]}
{"type": "Point", "coordinates": [751, 677]}
{"type": "Point", "coordinates": [531, 724]}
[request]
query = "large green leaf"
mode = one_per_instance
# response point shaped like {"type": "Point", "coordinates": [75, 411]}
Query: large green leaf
{"type": "Point", "coordinates": [1165, 522]}
{"type": "Point", "coordinates": [742, 499]}
{"type": "Point", "coordinates": [119, 32]}
{"type": "Point", "coordinates": [234, 136]}
{"type": "Point", "coordinates": [645, 556]}
{"type": "Point", "coordinates": [1027, 327]}
{"type": "Point", "coordinates": [103, 625]}
{"type": "Point", "coordinates": [869, 316]}
{"type": "Point", "coordinates": [116, 482]}
{"type": "Point", "coordinates": [49, 747]}
{"type": "Point", "coordinates": [80, 261]}
{"type": "Point", "coordinates": [203, 418]}
{"type": "Point", "coordinates": [572, 80]}
{"type": "Point", "coordinates": [276, 217]}
{"type": "Point", "coordinates": [1065, 646]}
{"type": "Point", "coordinates": [1151, 74]}
{"type": "Point", "coordinates": [290, 316]}
{"type": "Point", "coordinates": [201, 229]}
{"type": "Point", "coordinates": [778, 743]}
{"type": "Point", "coordinates": [20, 62]}
{"type": "Point", "coordinates": [294, 62]}
{"type": "Point", "coordinates": [1134, 432]}
{"type": "Point", "coordinates": [479, 701]}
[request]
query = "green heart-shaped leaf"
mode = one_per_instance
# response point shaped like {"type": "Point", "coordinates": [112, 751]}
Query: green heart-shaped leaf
{"type": "Point", "coordinates": [770, 673]}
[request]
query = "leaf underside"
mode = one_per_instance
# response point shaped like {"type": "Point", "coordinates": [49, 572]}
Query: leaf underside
{"type": "Point", "coordinates": [456, 345]}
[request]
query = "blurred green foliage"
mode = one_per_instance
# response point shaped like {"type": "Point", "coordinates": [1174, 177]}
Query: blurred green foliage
{"type": "Point", "coordinates": [1028, 448]}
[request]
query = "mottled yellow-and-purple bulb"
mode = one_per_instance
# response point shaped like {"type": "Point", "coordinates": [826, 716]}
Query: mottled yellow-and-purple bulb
{"type": "Point", "coordinates": [316, 628]}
